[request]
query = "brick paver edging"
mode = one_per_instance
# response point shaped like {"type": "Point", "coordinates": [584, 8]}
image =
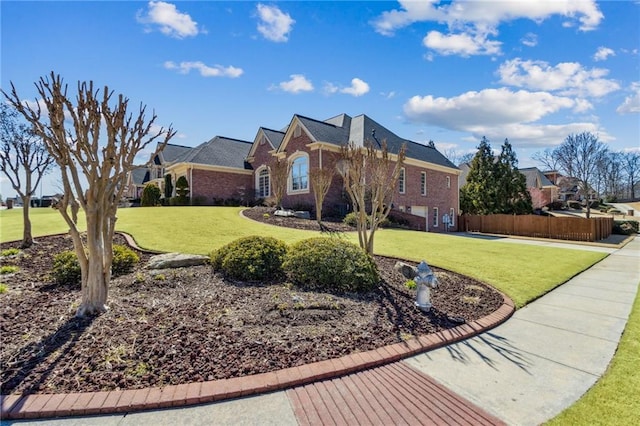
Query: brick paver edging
{"type": "Point", "coordinates": [124, 401]}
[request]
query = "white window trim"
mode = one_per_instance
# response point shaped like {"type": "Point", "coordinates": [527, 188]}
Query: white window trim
{"type": "Point", "coordinates": [402, 178]}
{"type": "Point", "coordinates": [290, 190]}
{"type": "Point", "coordinates": [448, 181]}
{"type": "Point", "coordinates": [257, 181]}
{"type": "Point", "coordinates": [423, 184]}
{"type": "Point", "coordinates": [435, 217]}
{"type": "Point", "coordinates": [452, 217]}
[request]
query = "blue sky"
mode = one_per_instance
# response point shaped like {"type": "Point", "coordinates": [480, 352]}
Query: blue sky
{"type": "Point", "coordinates": [451, 72]}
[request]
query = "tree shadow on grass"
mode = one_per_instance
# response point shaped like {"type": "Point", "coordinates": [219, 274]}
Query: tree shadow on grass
{"type": "Point", "coordinates": [20, 366]}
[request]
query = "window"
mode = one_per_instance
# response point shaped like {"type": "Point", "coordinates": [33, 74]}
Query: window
{"type": "Point", "coordinates": [448, 181]}
{"type": "Point", "coordinates": [452, 217]}
{"type": "Point", "coordinates": [299, 174]}
{"type": "Point", "coordinates": [401, 181]}
{"type": "Point", "coordinates": [423, 183]}
{"type": "Point", "coordinates": [263, 185]}
{"type": "Point", "coordinates": [435, 217]}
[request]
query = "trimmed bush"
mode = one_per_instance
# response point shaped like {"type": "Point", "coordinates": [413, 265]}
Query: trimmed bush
{"type": "Point", "coordinates": [124, 259]}
{"type": "Point", "coordinates": [251, 258]}
{"type": "Point", "coordinates": [330, 264]}
{"type": "Point", "coordinates": [625, 227]}
{"type": "Point", "coordinates": [575, 205]}
{"type": "Point", "coordinates": [150, 195]}
{"type": "Point", "coordinates": [66, 268]}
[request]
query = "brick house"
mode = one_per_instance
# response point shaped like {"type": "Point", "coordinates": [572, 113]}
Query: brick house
{"type": "Point", "coordinates": [229, 168]}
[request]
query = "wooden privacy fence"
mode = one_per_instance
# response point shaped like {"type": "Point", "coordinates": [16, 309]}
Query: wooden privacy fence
{"type": "Point", "coordinates": [561, 228]}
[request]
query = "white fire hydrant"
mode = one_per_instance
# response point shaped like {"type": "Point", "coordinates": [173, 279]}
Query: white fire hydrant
{"type": "Point", "coordinates": [425, 281]}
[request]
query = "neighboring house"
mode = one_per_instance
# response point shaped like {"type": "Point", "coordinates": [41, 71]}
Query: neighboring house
{"type": "Point", "coordinates": [224, 168]}
{"type": "Point", "coordinates": [568, 187]}
{"type": "Point", "coordinates": [535, 179]}
{"type": "Point", "coordinates": [136, 180]}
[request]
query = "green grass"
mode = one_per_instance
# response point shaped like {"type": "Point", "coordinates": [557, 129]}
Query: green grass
{"type": "Point", "coordinates": [523, 272]}
{"type": "Point", "coordinates": [44, 221]}
{"type": "Point", "coordinates": [614, 399]}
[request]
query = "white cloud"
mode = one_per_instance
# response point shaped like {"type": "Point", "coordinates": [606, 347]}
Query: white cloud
{"type": "Point", "coordinates": [274, 24]}
{"type": "Point", "coordinates": [487, 14]}
{"type": "Point", "coordinates": [358, 88]}
{"type": "Point", "coordinates": [204, 70]}
{"type": "Point", "coordinates": [568, 78]}
{"type": "Point", "coordinates": [470, 23]}
{"type": "Point", "coordinates": [530, 40]}
{"type": "Point", "coordinates": [631, 104]}
{"type": "Point", "coordinates": [298, 83]}
{"type": "Point", "coordinates": [487, 107]}
{"type": "Point", "coordinates": [169, 19]}
{"type": "Point", "coordinates": [502, 113]}
{"type": "Point", "coordinates": [603, 53]}
{"type": "Point", "coordinates": [388, 95]}
{"type": "Point", "coordinates": [463, 44]}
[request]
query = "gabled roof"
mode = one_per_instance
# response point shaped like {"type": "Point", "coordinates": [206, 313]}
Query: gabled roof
{"type": "Point", "coordinates": [364, 129]}
{"type": "Point", "coordinates": [535, 178]}
{"type": "Point", "coordinates": [139, 176]}
{"type": "Point", "coordinates": [172, 152]}
{"type": "Point", "coordinates": [321, 131]}
{"type": "Point", "coordinates": [274, 137]}
{"type": "Point", "coordinates": [219, 151]}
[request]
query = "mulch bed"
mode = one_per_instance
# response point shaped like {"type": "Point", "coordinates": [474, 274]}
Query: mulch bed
{"type": "Point", "coordinates": [189, 324]}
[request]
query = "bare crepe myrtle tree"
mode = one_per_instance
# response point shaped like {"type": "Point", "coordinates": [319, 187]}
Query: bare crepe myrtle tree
{"type": "Point", "coordinates": [370, 178]}
{"type": "Point", "coordinates": [320, 182]}
{"type": "Point", "coordinates": [98, 141]}
{"type": "Point", "coordinates": [280, 169]}
{"type": "Point", "coordinates": [22, 156]}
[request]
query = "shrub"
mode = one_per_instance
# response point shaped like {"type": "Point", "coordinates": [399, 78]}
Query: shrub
{"type": "Point", "coordinates": [8, 269]}
{"type": "Point", "coordinates": [199, 200]}
{"type": "Point", "coordinates": [10, 252]}
{"type": "Point", "coordinates": [251, 258]}
{"type": "Point", "coordinates": [625, 227]}
{"type": "Point", "coordinates": [330, 264]}
{"type": "Point", "coordinates": [150, 196]}
{"type": "Point", "coordinates": [575, 205]}
{"type": "Point", "coordinates": [66, 268]}
{"type": "Point", "coordinates": [123, 259]}
{"type": "Point", "coordinates": [3, 288]}
{"type": "Point", "coordinates": [350, 219]}
{"type": "Point", "coordinates": [557, 205]}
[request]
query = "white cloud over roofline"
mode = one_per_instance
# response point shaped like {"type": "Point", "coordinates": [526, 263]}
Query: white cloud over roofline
{"type": "Point", "coordinates": [566, 78]}
{"type": "Point", "coordinates": [631, 103]}
{"type": "Point", "coordinates": [297, 83]}
{"type": "Point", "coordinates": [274, 25]}
{"type": "Point", "coordinates": [169, 20]}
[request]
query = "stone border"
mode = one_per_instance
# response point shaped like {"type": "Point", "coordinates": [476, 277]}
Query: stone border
{"type": "Point", "coordinates": [125, 401]}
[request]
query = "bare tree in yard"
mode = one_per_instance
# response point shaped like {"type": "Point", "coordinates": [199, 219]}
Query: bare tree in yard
{"type": "Point", "coordinates": [578, 157]}
{"type": "Point", "coordinates": [22, 154]}
{"type": "Point", "coordinates": [369, 173]}
{"type": "Point", "coordinates": [73, 135]}
{"type": "Point", "coordinates": [279, 175]}
{"type": "Point", "coordinates": [547, 159]}
{"type": "Point", "coordinates": [631, 166]}
{"type": "Point", "coordinates": [320, 182]}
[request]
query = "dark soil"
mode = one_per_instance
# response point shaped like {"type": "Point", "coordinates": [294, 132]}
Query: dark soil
{"type": "Point", "coordinates": [185, 325]}
{"type": "Point", "coordinates": [265, 215]}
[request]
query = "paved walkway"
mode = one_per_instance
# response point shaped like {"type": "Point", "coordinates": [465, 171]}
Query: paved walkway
{"type": "Point", "coordinates": [522, 372]}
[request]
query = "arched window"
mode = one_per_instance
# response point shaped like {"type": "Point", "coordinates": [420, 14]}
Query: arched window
{"type": "Point", "coordinates": [263, 183]}
{"type": "Point", "coordinates": [299, 177]}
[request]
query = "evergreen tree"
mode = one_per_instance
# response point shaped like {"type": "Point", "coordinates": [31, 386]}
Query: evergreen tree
{"type": "Point", "coordinates": [168, 186]}
{"type": "Point", "coordinates": [478, 195]}
{"type": "Point", "coordinates": [512, 196]}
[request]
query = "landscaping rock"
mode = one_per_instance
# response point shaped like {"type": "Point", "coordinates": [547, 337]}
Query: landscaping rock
{"type": "Point", "coordinates": [284, 213]}
{"type": "Point", "coordinates": [176, 260]}
{"type": "Point", "coordinates": [302, 214]}
{"type": "Point", "coordinates": [408, 271]}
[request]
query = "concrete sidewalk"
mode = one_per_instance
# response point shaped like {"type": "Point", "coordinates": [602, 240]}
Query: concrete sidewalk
{"type": "Point", "coordinates": [550, 352]}
{"type": "Point", "coordinates": [523, 372]}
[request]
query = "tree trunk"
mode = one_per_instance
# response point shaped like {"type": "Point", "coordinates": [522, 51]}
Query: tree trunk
{"type": "Point", "coordinates": [27, 238]}
{"type": "Point", "coordinates": [95, 283]}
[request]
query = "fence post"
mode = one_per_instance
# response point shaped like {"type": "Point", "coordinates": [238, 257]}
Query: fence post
{"type": "Point", "coordinates": [593, 229]}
